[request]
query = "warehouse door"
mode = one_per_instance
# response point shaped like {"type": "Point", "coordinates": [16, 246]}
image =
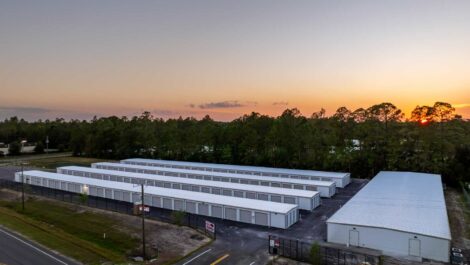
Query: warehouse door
{"type": "Point", "coordinates": [353, 238]}
{"type": "Point", "coordinates": [415, 247]}
{"type": "Point", "coordinates": [261, 218]}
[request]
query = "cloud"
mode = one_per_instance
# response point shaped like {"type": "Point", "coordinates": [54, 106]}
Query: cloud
{"type": "Point", "coordinates": [228, 104]}
{"type": "Point", "coordinates": [18, 111]}
{"type": "Point", "coordinates": [280, 103]}
{"type": "Point", "coordinates": [459, 106]}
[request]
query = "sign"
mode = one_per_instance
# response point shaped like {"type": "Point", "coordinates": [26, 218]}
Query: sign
{"type": "Point", "coordinates": [146, 208]}
{"type": "Point", "coordinates": [210, 226]}
{"type": "Point", "coordinates": [274, 243]}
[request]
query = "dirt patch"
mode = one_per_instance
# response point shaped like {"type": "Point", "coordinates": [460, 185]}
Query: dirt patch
{"type": "Point", "coordinates": [458, 223]}
{"type": "Point", "coordinates": [172, 241]}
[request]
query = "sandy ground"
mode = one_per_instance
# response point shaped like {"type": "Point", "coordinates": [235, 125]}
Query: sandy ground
{"type": "Point", "coordinates": [172, 241]}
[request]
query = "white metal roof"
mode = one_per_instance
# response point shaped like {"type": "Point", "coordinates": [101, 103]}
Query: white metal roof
{"type": "Point", "coordinates": [271, 170]}
{"type": "Point", "coordinates": [404, 201]}
{"type": "Point", "coordinates": [266, 206]}
{"type": "Point", "coordinates": [199, 182]}
{"type": "Point", "coordinates": [222, 174]}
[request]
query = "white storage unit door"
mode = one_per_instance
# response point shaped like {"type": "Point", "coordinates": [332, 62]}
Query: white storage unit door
{"type": "Point", "coordinates": [156, 201]}
{"type": "Point", "coordinates": [118, 195]}
{"type": "Point", "coordinates": [190, 207]}
{"type": "Point", "coordinates": [136, 197]}
{"type": "Point", "coordinates": [167, 203]}
{"type": "Point", "coordinates": [217, 211]}
{"type": "Point", "coordinates": [290, 200]}
{"type": "Point", "coordinates": [126, 196]}
{"type": "Point", "coordinates": [93, 191]}
{"type": "Point", "coordinates": [109, 193]}
{"type": "Point", "coordinates": [238, 193]}
{"type": "Point", "coordinates": [251, 195]}
{"type": "Point", "coordinates": [99, 192]}
{"type": "Point", "coordinates": [231, 213]}
{"type": "Point", "coordinates": [261, 218]}
{"type": "Point", "coordinates": [178, 205]}
{"type": "Point", "coordinates": [245, 216]}
{"type": "Point", "coordinates": [203, 209]}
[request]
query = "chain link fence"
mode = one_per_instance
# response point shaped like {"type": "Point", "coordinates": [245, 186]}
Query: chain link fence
{"type": "Point", "coordinates": [328, 255]}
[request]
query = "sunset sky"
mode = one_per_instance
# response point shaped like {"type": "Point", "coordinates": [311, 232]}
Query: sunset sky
{"type": "Point", "coordinates": [77, 59]}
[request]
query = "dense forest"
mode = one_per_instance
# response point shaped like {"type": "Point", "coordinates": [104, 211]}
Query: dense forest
{"type": "Point", "coordinates": [363, 142]}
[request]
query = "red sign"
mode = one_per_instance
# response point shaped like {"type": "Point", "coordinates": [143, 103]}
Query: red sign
{"type": "Point", "coordinates": [210, 226]}
{"type": "Point", "coordinates": [146, 208]}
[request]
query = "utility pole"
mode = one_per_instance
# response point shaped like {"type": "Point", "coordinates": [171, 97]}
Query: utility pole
{"type": "Point", "coordinates": [22, 185]}
{"type": "Point", "coordinates": [143, 221]}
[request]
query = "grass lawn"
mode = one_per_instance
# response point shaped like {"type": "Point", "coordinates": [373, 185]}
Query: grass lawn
{"type": "Point", "coordinates": [77, 234]}
{"type": "Point", "coordinates": [53, 163]}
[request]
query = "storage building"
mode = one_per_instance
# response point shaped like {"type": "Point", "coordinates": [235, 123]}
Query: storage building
{"type": "Point", "coordinates": [326, 188]}
{"type": "Point", "coordinates": [305, 199]}
{"type": "Point", "coordinates": [341, 179]}
{"type": "Point", "coordinates": [265, 213]}
{"type": "Point", "coordinates": [400, 213]}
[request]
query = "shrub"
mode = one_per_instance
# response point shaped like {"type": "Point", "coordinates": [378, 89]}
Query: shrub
{"type": "Point", "coordinates": [315, 255]}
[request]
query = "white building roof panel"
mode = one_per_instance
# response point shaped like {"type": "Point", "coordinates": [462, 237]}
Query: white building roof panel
{"type": "Point", "coordinates": [403, 201]}
{"type": "Point", "coordinates": [266, 206]}
{"type": "Point", "coordinates": [248, 168]}
{"type": "Point", "coordinates": [221, 174]}
{"type": "Point", "coordinates": [199, 182]}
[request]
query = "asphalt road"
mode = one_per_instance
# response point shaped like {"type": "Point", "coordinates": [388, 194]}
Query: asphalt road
{"type": "Point", "coordinates": [16, 250]}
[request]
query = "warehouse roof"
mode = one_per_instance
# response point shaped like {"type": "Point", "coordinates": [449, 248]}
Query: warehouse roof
{"type": "Point", "coordinates": [221, 174]}
{"type": "Point", "coordinates": [404, 201]}
{"type": "Point", "coordinates": [248, 168]}
{"type": "Point", "coordinates": [199, 182]}
{"type": "Point", "coordinates": [266, 206]}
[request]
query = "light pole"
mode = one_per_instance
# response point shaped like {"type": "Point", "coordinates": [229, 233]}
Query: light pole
{"type": "Point", "coordinates": [143, 220]}
{"type": "Point", "coordinates": [22, 184]}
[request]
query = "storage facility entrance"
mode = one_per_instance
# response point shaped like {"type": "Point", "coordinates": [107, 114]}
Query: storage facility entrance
{"type": "Point", "coordinates": [415, 247]}
{"type": "Point", "coordinates": [353, 238]}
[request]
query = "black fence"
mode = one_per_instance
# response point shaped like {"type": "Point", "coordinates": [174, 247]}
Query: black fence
{"type": "Point", "coordinates": [301, 251]}
{"type": "Point", "coordinates": [196, 222]}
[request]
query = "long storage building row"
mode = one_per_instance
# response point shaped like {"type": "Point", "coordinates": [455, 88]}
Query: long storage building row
{"type": "Point", "coordinates": [265, 213]}
{"type": "Point", "coordinates": [305, 199]}
{"type": "Point", "coordinates": [326, 188]}
{"type": "Point", "coordinates": [341, 179]}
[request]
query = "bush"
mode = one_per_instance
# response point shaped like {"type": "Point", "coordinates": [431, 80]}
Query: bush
{"type": "Point", "coordinates": [39, 148]}
{"type": "Point", "coordinates": [178, 217]}
{"type": "Point", "coordinates": [315, 255]}
{"type": "Point", "coordinates": [14, 149]}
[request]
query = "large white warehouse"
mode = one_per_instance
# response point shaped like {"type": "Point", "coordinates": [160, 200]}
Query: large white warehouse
{"type": "Point", "coordinates": [400, 213]}
{"type": "Point", "coordinates": [265, 213]}
{"type": "Point", "coordinates": [341, 179]}
{"type": "Point", "coordinates": [305, 199]}
{"type": "Point", "coordinates": [326, 188]}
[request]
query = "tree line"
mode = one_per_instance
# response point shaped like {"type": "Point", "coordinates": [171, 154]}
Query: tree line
{"type": "Point", "coordinates": [364, 141]}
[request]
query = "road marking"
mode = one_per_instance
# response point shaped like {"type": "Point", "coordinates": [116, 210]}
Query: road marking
{"type": "Point", "coordinates": [220, 259]}
{"type": "Point", "coordinates": [252, 263]}
{"type": "Point", "coordinates": [33, 247]}
{"type": "Point", "coordinates": [187, 262]}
